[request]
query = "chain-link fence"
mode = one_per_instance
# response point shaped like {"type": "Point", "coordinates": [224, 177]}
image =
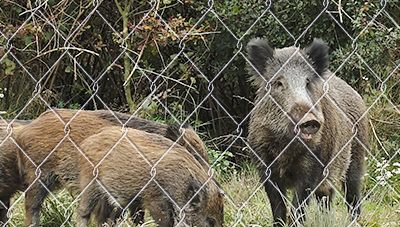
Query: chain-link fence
{"type": "Point", "coordinates": [164, 65]}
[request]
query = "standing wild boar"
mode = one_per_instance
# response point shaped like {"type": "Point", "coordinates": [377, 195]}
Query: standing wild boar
{"type": "Point", "coordinates": [308, 128]}
{"type": "Point", "coordinates": [9, 174]}
{"type": "Point", "coordinates": [149, 170]}
{"type": "Point", "coordinates": [51, 142]}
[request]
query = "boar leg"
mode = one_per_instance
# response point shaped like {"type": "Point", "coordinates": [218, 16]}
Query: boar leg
{"type": "Point", "coordinates": [3, 210]}
{"type": "Point", "coordinates": [305, 186]}
{"type": "Point", "coordinates": [300, 200]}
{"type": "Point", "coordinates": [324, 198]}
{"type": "Point", "coordinates": [112, 215]}
{"type": "Point", "coordinates": [278, 206]}
{"type": "Point", "coordinates": [352, 185]}
{"type": "Point", "coordinates": [137, 212]}
{"type": "Point", "coordinates": [89, 199]}
{"type": "Point", "coordinates": [161, 210]}
{"type": "Point", "coordinates": [34, 198]}
{"type": "Point", "coordinates": [104, 212]}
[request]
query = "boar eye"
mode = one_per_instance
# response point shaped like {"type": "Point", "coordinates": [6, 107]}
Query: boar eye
{"type": "Point", "coordinates": [211, 222]}
{"type": "Point", "coordinates": [308, 83]}
{"type": "Point", "coordinates": [279, 84]}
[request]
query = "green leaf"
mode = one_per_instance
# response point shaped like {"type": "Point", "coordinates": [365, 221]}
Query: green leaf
{"type": "Point", "coordinates": [60, 104]}
{"type": "Point", "coordinates": [235, 10]}
{"type": "Point", "coordinates": [90, 92]}
{"type": "Point", "coordinates": [182, 67]}
{"type": "Point", "coordinates": [27, 40]}
{"type": "Point", "coordinates": [371, 32]}
{"type": "Point", "coordinates": [10, 66]}
{"type": "Point", "coordinates": [48, 35]}
{"type": "Point", "coordinates": [17, 9]}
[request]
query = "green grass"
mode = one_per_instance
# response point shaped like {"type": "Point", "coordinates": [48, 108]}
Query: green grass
{"type": "Point", "coordinates": [246, 204]}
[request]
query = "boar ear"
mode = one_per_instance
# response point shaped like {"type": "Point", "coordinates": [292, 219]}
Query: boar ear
{"type": "Point", "coordinates": [173, 131]}
{"type": "Point", "coordinates": [259, 52]}
{"type": "Point", "coordinates": [196, 199]}
{"type": "Point", "coordinates": [318, 53]}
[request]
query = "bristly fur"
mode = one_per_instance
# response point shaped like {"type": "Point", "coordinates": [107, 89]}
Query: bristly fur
{"type": "Point", "coordinates": [296, 96]}
{"type": "Point", "coordinates": [261, 55]}
{"type": "Point", "coordinates": [44, 134]}
{"type": "Point", "coordinates": [190, 140]}
{"type": "Point", "coordinates": [318, 52]}
{"type": "Point", "coordinates": [10, 179]}
{"type": "Point", "coordinates": [259, 52]}
{"type": "Point", "coordinates": [125, 174]}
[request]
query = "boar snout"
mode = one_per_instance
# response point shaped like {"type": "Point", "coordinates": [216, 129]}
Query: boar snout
{"type": "Point", "coordinates": [307, 127]}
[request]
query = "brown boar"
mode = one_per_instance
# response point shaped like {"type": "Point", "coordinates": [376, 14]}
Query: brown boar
{"type": "Point", "coordinates": [190, 140]}
{"type": "Point", "coordinates": [52, 140]}
{"type": "Point", "coordinates": [308, 128]}
{"type": "Point", "coordinates": [149, 169]}
{"type": "Point", "coordinates": [9, 174]}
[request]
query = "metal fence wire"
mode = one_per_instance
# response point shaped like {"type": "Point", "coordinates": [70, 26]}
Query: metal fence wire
{"type": "Point", "coordinates": [186, 62]}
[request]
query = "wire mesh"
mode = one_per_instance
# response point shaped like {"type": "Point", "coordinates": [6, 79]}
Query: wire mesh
{"type": "Point", "coordinates": [104, 52]}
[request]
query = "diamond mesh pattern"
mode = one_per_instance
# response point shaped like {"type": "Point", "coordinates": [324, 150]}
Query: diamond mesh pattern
{"type": "Point", "coordinates": [159, 28]}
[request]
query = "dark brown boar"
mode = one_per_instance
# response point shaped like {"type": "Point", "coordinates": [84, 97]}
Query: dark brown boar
{"type": "Point", "coordinates": [308, 129]}
{"type": "Point", "coordinates": [9, 174]}
{"type": "Point", "coordinates": [52, 140]}
{"type": "Point", "coordinates": [149, 169]}
{"type": "Point", "coordinates": [190, 140]}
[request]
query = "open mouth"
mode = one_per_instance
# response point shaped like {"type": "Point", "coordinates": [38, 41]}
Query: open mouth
{"type": "Point", "coordinates": [305, 136]}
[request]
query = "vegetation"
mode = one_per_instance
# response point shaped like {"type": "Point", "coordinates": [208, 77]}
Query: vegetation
{"type": "Point", "coordinates": [246, 204]}
{"type": "Point", "coordinates": [183, 61]}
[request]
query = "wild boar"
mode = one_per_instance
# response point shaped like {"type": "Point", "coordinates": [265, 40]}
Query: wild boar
{"type": "Point", "coordinates": [50, 144]}
{"type": "Point", "coordinates": [150, 169]}
{"type": "Point", "coordinates": [308, 127]}
{"type": "Point", "coordinates": [190, 140]}
{"type": "Point", "coordinates": [9, 174]}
